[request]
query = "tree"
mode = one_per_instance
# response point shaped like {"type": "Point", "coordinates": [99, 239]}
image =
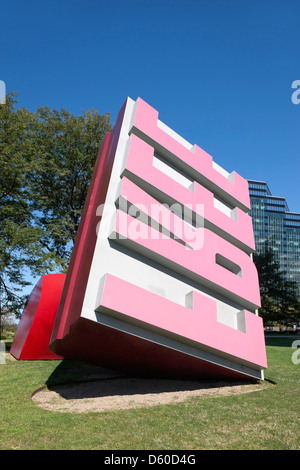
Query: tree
{"type": "Point", "coordinates": [46, 160]}
{"type": "Point", "coordinates": [279, 298]}
{"type": "Point", "coordinates": [19, 247]}
{"type": "Point", "coordinates": [66, 149]}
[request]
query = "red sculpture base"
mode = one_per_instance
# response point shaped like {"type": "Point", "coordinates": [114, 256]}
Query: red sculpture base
{"type": "Point", "coordinates": [91, 342]}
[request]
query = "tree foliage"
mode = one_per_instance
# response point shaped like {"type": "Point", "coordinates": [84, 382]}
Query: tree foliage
{"type": "Point", "coordinates": [279, 297]}
{"type": "Point", "coordinates": [66, 148]}
{"type": "Point", "coordinates": [46, 161]}
{"type": "Point", "coordinates": [19, 250]}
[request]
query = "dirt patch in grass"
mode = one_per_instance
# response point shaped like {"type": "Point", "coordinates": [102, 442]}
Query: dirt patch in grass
{"type": "Point", "coordinates": [116, 393]}
{"type": "Point", "coordinates": [9, 357]}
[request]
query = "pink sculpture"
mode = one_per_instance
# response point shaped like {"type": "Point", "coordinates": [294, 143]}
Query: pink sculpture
{"type": "Point", "coordinates": [161, 280]}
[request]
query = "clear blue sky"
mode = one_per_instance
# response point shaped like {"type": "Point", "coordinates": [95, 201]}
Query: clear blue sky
{"type": "Point", "coordinates": [219, 72]}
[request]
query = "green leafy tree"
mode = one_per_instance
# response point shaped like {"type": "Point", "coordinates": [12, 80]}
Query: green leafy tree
{"type": "Point", "coordinates": [66, 149]}
{"type": "Point", "coordinates": [46, 162]}
{"type": "Point", "coordinates": [20, 251]}
{"type": "Point", "coordinates": [279, 298]}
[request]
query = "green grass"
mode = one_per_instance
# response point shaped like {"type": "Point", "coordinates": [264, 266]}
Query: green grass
{"type": "Point", "coordinates": [268, 419]}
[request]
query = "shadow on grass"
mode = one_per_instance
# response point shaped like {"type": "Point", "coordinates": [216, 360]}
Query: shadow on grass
{"type": "Point", "coordinates": [76, 380]}
{"type": "Point", "coordinates": [72, 372]}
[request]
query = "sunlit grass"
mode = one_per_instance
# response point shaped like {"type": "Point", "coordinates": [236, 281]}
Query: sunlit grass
{"type": "Point", "coordinates": [267, 419]}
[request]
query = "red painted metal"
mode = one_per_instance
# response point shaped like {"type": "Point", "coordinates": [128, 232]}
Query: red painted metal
{"type": "Point", "coordinates": [83, 251]}
{"type": "Point", "coordinates": [130, 354]}
{"type": "Point", "coordinates": [32, 338]}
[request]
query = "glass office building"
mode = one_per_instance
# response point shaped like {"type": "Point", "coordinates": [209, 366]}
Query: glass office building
{"type": "Point", "coordinates": [276, 228]}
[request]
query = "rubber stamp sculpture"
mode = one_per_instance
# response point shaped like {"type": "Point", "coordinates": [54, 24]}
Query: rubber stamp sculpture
{"type": "Point", "coordinates": [161, 281]}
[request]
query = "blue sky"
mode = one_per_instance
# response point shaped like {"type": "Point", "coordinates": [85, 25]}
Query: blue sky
{"type": "Point", "coordinates": [219, 72]}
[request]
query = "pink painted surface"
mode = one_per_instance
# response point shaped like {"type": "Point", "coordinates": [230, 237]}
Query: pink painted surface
{"type": "Point", "coordinates": [198, 324]}
{"type": "Point", "coordinates": [32, 338]}
{"type": "Point", "coordinates": [77, 337]}
{"type": "Point", "coordinates": [199, 265]}
{"type": "Point", "coordinates": [145, 125]}
{"type": "Point", "coordinates": [139, 164]}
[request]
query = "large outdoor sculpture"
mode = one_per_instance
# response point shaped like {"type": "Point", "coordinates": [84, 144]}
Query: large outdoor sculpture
{"type": "Point", "coordinates": [161, 281]}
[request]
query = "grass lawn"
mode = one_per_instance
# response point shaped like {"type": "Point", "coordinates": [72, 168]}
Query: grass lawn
{"type": "Point", "coordinates": [264, 420]}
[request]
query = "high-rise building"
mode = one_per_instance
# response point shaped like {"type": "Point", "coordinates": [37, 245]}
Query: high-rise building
{"type": "Point", "coordinates": [276, 228]}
